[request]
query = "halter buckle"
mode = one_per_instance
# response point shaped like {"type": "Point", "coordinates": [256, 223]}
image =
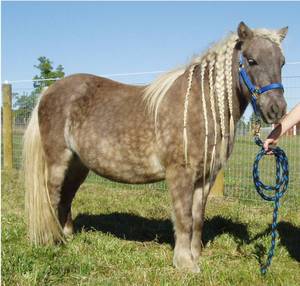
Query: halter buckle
{"type": "Point", "coordinates": [256, 92]}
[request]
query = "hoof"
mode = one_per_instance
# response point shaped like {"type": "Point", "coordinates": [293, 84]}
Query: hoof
{"type": "Point", "coordinates": [186, 263]}
{"type": "Point", "coordinates": [68, 230]}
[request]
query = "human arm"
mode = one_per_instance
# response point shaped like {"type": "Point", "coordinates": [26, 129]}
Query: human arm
{"type": "Point", "coordinates": [292, 118]}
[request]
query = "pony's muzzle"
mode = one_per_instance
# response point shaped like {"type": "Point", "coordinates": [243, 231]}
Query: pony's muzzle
{"type": "Point", "coordinates": [273, 107]}
{"type": "Point", "coordinates": [276, 110]}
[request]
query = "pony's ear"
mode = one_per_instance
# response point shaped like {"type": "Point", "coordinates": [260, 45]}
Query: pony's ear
{"type": "Point", "coordinates": [244, 32]}
{"type": "Point", "coordinates": [282, 33]}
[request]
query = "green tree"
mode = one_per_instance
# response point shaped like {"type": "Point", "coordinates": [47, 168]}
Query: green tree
{"type": "Point", "coordinates": [25, 102]}
{"type": "Point", "coordinates": [45, 66]}
{"type": "Point", "coordinates": [23, 105]}
{"type": "Point", "coordinates": [242, 127]}
{"type": "Point", "coordinates": [242, 123]}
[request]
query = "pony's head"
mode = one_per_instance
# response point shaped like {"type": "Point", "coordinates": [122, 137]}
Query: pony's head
{"type": "Point", "coordinates": [262, 60]}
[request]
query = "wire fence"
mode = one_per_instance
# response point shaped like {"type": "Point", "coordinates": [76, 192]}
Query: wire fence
{"type": "Point", "coordinates": [238, 171]}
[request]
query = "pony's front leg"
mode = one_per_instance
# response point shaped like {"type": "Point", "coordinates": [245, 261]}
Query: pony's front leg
{"type": "Point", "coordinates": [181, 185]}
{"type": "Point", "coordinates": [199, 203]}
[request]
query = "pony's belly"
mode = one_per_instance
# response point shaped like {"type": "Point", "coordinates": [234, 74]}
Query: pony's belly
{"type": "Point", "coordinates": [128, 165]}
{"type": "Point", "coordinates": [134, 172]}
{"type": "Point", "coordinates": [123, 158]}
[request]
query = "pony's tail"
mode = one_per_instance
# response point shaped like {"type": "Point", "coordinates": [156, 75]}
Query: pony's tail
{"type": "Point", "coordinates": [43, 224]}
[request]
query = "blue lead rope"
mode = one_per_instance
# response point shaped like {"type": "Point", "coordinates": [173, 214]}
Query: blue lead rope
{"type": "Point", "coordinates": [282, 180]}
{"type": "Point", "coordinates": [282, 171]}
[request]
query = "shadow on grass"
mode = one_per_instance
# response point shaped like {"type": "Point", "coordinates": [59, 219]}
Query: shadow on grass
{"type": "Point", "coordinates": [137, 228]}
{"type": "Point", "coordinates": [127, 226]}
{"type": "Point", "coordinates": [289, 237]}
{"type": "Point", "coordinates": [219, 225]}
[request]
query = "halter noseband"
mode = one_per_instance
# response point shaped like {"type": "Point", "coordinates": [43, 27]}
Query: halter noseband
{"type": "Point", "coordinates": [254, 91]}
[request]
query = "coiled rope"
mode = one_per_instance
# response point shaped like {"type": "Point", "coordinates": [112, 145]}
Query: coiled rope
{"type": "Point", "coordinates": [282, 180]}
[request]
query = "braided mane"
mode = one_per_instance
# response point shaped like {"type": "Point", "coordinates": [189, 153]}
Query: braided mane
{"type": "Point", "coordinates": [221, 52]}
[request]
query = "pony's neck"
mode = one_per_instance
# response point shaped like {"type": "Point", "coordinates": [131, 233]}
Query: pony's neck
{"type": "Point", "coordinates": [240, 96]}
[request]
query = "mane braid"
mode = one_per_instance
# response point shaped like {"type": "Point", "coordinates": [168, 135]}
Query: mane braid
{"type": "Point", "coordinates": [213, 109]}
{"type": "Point", "coordinates": [203, 67]}
{"type": "Point", "coordinates": [185, 113]}
{"type": "Point", "coordinates": [220, 90]}
{"type": "Point", "coordinates": [228, 77]}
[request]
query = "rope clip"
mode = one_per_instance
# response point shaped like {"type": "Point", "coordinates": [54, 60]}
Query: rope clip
{"type": "Point", "coordinates": [256, 126]}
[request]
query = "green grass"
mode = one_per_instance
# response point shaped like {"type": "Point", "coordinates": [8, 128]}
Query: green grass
{"type": "Point", "coordinates": [125, 237]}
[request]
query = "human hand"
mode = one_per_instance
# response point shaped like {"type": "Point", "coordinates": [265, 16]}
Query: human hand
{"type": "Point", "coordinates": [267, 143]}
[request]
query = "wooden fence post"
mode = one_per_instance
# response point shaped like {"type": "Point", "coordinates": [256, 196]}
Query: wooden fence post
{"type": "Point", "coordinates": [7, 126]}
{"type": "Point", "coordinates": [218, 187]}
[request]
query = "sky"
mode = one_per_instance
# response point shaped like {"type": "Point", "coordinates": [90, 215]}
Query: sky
{"type": "Point", "coordinates": [126, 37]}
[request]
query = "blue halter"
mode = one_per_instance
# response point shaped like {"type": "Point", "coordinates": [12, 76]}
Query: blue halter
{"type": "Point", "coordinates": [254, 91]}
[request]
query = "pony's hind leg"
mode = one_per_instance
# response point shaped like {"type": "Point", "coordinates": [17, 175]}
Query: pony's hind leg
{"type": "Point", "coordinates": [65, 175]}
{"type": "Point", "coordinates": [74, 177]}
{"type": "Point", "coordinates": [56, 167]}
{"type": "Point", "coordinates": [181, 185]}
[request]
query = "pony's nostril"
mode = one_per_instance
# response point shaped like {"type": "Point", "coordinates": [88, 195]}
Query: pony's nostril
{"type": "Point", "coordinates": [275, 108]}
{"type": "Point", "coordinates": [271, 115]}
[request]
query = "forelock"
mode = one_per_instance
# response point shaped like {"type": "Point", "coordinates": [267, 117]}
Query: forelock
{"type": "Point", "coordinates": [270, 35]}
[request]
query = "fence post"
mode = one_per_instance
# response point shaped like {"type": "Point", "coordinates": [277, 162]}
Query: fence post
{"type": "Point", "coordinates": [218, 187]}
{"type": "Point", "coordinates": [7, 126]}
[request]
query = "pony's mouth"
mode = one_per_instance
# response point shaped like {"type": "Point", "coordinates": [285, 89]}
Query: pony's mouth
{"type": "Point", "coordinates": [271, 117]}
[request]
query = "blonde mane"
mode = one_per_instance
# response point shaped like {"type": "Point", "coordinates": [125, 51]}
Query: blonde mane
{"type": "Point", "coordinates": [222, 53]}
{"type": "Point", "coordinates": [218, 59]}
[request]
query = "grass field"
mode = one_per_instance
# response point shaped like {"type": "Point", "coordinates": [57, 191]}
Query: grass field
{"type": "Point", "coordinates": [125, 237]}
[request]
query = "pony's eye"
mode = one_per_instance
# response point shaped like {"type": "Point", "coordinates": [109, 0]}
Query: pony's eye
{"type": "Point", "coordinates": [252, 62]}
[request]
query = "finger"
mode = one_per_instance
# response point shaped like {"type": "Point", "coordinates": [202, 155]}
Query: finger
{"type": "Point", "coordinates": [266, 146]}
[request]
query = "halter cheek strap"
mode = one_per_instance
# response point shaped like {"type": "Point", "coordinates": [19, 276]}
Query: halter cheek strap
{"type": "Point", "coordinates": [255, 91]}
